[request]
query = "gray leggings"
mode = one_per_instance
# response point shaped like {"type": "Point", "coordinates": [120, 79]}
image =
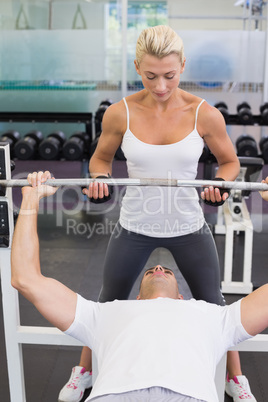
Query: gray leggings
{"type": "Point", "coordinates": [195, 255]}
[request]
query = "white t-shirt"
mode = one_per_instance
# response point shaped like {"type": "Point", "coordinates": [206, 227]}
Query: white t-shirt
{"type": "Point", "coordinates": [174, 344]}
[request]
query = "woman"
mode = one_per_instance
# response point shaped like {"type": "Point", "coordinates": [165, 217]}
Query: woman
{"type": "Point", "coordinates": [162, 130]}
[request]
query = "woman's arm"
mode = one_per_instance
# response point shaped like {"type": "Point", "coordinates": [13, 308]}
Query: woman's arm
{"type": "Point", "coordinates": [212, 128]}
{"type": "Point", "coordinates": [113, 128]}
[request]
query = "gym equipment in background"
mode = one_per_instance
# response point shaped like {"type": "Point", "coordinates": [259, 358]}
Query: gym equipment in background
{"type": "Point", "coordinates": [27, 147]}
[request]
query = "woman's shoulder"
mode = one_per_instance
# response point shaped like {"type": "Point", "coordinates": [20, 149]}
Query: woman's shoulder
{"type": "Point", "coordinates": [137, 97]}
{"type": "Point", "coordinates": [206, 110]}
{"type": "Point", "coordinates": [114, 118]}
{"type": "Point", "coordinates": [190, 99]}
{"type": "Point", "coordinates": [119, 108]}
{"type": "Point", "coordinates": [115, 110]}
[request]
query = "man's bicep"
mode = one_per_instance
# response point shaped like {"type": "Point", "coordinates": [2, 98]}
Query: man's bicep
{"type": "Point", "coordinates": [254, 311]}
{"type": "Point", "coordinates": [56, 302]}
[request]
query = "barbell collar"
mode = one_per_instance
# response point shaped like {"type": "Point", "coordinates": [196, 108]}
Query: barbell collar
{"type": "Point", "coordinates": [84, 182]}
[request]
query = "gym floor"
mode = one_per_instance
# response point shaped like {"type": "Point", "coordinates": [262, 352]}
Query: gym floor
{"type": "Point", "coordinates": [72, 254]}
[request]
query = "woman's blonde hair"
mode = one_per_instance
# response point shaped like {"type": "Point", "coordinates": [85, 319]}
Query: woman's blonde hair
{"type": "Point", "coordinates": [159, 41]}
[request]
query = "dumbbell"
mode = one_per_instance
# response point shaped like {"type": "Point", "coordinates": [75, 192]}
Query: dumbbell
{"type": "Point", "coordinates": [246, 146]}
{"type": "Point", "coordinates": [100, 112]}
{"type": "Point", "coordinates": [244, 113]}
{"type": "Point", "coordinates": [76, 146]}
{"type": "Point", "coordinates": [223, 108]}
{"type": "Point", "coordinates": [264, 113]}
{"type": "Point", "coordinates": [26, 148]}
{"type": "Point", "coordinates": [264, 148]}
{"type": "Point", "coordinates": [10, 137]}
{"type": "Point", "coordinates": [51, 146]}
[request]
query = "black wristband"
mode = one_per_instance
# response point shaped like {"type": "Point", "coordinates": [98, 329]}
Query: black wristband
{"type": "Point", "coordinates": [222, 191]}
{"type": "Point", "coordinates": [105, 197]}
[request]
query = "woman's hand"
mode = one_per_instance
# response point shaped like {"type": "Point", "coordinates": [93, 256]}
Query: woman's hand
{"type": "Point", "coordinates": [215, 196]}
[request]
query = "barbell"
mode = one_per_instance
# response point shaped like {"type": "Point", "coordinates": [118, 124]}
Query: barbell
{"type": "Point", "coordinates": [84, 182]}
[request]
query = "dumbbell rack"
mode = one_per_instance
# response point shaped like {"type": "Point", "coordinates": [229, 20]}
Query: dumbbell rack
{"type": "Point", "coordinates": [48, 117]}
{"type": "Point", "coordinates": [233, 120]}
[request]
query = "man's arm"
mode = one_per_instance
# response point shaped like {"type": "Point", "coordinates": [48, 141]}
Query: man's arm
{"type": "Point", "coordinates": [254, 311]}
{"type": "Point", "coordinates": [264, 194]}
{"type": "Point", "coordinates": [254, 307]}
{"type": "Point", "coordinates": [55, 301]}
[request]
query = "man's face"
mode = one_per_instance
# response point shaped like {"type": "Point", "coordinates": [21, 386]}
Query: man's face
{"type": "Point", "coordinates": [159, 281]}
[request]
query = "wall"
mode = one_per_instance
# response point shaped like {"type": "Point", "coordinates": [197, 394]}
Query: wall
{"type": "Point", "coordinates": [69, 58]}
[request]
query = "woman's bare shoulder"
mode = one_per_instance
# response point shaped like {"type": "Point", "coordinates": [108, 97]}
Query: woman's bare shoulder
{"type": "Point", "coordinates": [189, 99]}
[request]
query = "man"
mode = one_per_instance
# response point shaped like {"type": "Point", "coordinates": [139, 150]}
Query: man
{"type": "Point", "coordinates": [163, 348]}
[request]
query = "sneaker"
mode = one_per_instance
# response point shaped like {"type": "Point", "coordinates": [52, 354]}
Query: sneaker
{"type": "Point", "coordinates": [238, 388]}
{"type": "Point", "coordinates": [74, 390]}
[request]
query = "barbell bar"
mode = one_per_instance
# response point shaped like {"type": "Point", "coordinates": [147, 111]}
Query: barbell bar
{"type": "Point", "coordinates": [84, 182]}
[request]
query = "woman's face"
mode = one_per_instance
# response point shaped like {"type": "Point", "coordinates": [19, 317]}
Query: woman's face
{"type": "Point", "coordinates": [160, 77]}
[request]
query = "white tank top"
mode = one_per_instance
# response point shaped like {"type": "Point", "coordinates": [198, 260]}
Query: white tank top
{"type": "Point", "coordinates": [162, 211]}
